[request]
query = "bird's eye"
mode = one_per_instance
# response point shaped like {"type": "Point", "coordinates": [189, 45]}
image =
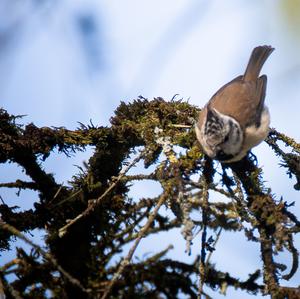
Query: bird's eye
{"type": "Point", "coordinates": [226, 138]}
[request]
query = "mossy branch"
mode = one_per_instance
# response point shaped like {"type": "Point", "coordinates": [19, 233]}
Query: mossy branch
{"type": "Point", "coordinates": [104, 218]}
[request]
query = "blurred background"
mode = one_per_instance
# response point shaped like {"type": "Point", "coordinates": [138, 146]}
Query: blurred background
{"type": "Point", "coordinates": [69, 61]}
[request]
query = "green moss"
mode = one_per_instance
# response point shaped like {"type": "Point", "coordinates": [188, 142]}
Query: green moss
{"type": "Point", "coordinates": [165, 132]}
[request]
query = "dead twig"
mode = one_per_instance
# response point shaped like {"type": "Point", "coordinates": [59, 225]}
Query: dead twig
{"type": "Point", "coordinates": [202, 265]}
{"type": "Point", "coordinates": [91, 208]}
{"type": "Point", "coordinates": [45, 254]}
{"type": "Point", "coordinates": [141, 234]}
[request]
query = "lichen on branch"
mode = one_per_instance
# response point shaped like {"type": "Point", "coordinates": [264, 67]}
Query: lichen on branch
{"type": "Point", "coordinates": [93, 225]}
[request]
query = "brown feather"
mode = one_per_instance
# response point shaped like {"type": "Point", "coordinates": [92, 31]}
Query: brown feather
{"type": "Point", "coordinates": [243, 97]}
{"type": "Point", "coordinates": [257, 59]}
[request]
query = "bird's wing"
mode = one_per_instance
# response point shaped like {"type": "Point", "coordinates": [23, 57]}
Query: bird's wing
{"type": "Point", "coordinates": [241, 100]}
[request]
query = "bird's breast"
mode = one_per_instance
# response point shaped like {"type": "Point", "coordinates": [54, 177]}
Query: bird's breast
{"type": "Point", "coordinates": [255, 135]}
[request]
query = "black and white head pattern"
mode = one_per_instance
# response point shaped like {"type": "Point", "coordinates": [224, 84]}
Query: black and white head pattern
{"type": "Point", "coordinates": [222, 135]}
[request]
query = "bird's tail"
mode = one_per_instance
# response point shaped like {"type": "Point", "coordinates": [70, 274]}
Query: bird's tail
{"type": "Point", "coordinates": [257, 59]}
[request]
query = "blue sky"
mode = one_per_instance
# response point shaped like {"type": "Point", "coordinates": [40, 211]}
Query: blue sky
{"type": "Point", "coordinates": [75, 60]}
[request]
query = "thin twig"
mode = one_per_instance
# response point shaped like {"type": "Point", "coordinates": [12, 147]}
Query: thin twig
{"type": "Point", "coordinates": [129, 228]}
{"type": "Point", "coordinates": [180, 126]}
{"type": "Point", "coordinates": [213, 187]}
{"type": "Point", "coordinates": [10, 264]}
{"type": "Point", "coordinates": [284, 138]}
{"type": "Point", "coordinates": [141, 234]}
{"type": "Point", "coordinates": [20, 185]}
{"type": "Point", "coordinates": [2, 294]}
{"type": "Point", "coordinates": [14, 293]}
{"type": "Point", "coordinates": [295, 258]}
{"type": "Point", "coordinates": [202, 265]}
{"type": "Point", "coordinates": [91, 208]}
{"type": "Point", "coordinates": [45, 254]}
{"type": "Point", "coordinates": [68, 198]}
{"type": "Point", "coordinates": [213, 246]}
{"type": "Point", "coordinates": [140, 177]}
{"type": "Point", "coordinates": [239, 199]}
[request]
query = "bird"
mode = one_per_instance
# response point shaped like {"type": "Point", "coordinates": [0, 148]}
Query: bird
{"type": "Point", "coordinates": [236, 118]}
